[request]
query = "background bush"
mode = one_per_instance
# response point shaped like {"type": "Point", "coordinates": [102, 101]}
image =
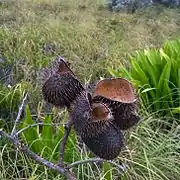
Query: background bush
{"type": "Point", "coordinates": [156, 73]}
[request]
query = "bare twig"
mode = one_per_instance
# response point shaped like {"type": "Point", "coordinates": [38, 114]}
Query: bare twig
{"type": "Point", "coordinates": [30, 126]}
{"type": "Point", "coordinates": [19, 114]}
{"type": "Point", "coordinates": [122, 167]}
{"type": "Point", "coordinates": [67, 127]}
{"type": "Point", "coordinates": [37, 158]}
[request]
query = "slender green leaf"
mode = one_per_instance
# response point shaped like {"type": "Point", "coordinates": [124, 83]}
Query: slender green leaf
{"type": "Point", "coordinates": [147, 89]}
{"type": "Point", "coordinates": [107, 171]}
{"type": "Point", "coordinates": [176, 110]}
{"type": "Point", "coordinates": [31, 134]}
{"type": "Point", "coordinates": [47, 132]}
{"type": "Point", "coordinates": [138, 73]}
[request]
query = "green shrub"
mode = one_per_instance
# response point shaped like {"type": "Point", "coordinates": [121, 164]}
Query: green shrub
{"type": "Point", "coordinates": [45, 138]}
{"type": "Point", "coordinates": [10, 98]}
{"type": "Point", "coordinates": [156, 74]}
{"type": "Point", "coordinates": [152, 155]}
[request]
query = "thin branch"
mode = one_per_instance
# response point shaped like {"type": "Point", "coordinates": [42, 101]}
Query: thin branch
{"type": "Point", "coordinates": [37, 158]}
{"type": "Point", "coordinates": [30, 126]}
{"type": "Point", "coordinates": [122, 167]}
{"type": "Point", "coordinates": [19, 114]}
{"type": "Point", "coordinates": [67, 127]}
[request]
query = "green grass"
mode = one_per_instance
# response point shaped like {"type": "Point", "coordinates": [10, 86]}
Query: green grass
{"type": "Point", "coordinates": [83, 31]}
{"type": "Point", "coordinates": [152, 155]}
{"type": "Point", "coordinates": [92, 39]}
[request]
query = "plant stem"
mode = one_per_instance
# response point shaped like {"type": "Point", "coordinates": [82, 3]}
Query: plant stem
{"type": "Point", "coordinates": [36, 157]}
{"type": "Point", "coordinates": [67, 127]}
{"type": "Point", "coordinates": [19, 114]}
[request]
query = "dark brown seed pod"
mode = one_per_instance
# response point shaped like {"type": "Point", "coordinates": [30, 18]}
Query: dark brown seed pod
{"type": "Point", "coordinates": [126, 116]}
{"type": "Point", "coordinates": [93, 123]}
{"type": "Point", "coordinates": [107, 144]}
{"type": "Point", "coordinates": [119, 95]}
{"type": "Point", "coordinates": [85, 114]}
{"type": "Point", "coordinates": [60, 87]}
{"type": "Point", "coordinates": [81, 113]}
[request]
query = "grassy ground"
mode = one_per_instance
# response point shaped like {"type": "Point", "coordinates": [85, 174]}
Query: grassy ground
{"type": "Point", "coordinates": [92, 39]}
{"type": "Point", "coordinates": [82, 31]}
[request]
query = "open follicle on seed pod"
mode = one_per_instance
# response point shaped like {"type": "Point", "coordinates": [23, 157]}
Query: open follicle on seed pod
{"type": "Point", "coordinates": [60, 86]}
{"type": "Point", "coordinates": [100, 112]}
{"type": "Point", "coordinates": [93, 122]}
{"type": "Point", "coordinates": [119, 95]}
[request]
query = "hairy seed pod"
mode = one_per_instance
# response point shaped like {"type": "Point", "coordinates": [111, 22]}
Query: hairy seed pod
{"type": "Point", "coordinates": [81, 113]}
{"type": "Point", "coordinates": [101, 112]}
{"type": "Point", "coordinates": [126, 116]}
{"type": "Point", "coordinates": [119, 95]}
{"type": "Point", "coordinates": [60, 87]}
{"type": "Point", "coordinates": [107, 144]}
{"type": "Point", "coordinates": [93, 123]}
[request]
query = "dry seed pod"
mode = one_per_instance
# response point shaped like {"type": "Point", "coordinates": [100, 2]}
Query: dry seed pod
{"type": "Point", "coordinates": [126, 117]}
{"type": "Point", "coordinates": [119, 95]}
{"type": "Point", "coordinates": [93, 123]}
{"type": "Point", "coordinates": [81, 113]}
{"type": "Point", "coordinates": [84, 115]}
{"type": "Point", "coordinates": [60, 87]}
{"type": "Point", "coordinates": [107, 144]}
{"type": "Point", "coordinates": [116, 89]}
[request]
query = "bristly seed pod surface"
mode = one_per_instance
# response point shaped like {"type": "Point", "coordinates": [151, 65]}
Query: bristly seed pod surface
{"type": "Point", "coordinates": [93, 123]}
{"type": "Point", "coordinates": [89, 118]}
{"type": "Point", "coordinates": [107, 144]}
{"type": "Point", "coordinates": [81, 113]}
{"type": "Point", "coordinates": [60, 86]}
{"type": "Point", "coordinates": [126, 116]}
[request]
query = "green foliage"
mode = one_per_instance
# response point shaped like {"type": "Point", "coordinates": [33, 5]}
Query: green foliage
{"type": "Point", "coordinates": [90, 37]}
{"type": "Point", "coordinates": [152, 155]}
{"type": "Point", "coordinates": [45, 139]}
{"type": "Point", "coordinates": [156, 73]}
{"type": "Point", "coordinates": [10, 98]}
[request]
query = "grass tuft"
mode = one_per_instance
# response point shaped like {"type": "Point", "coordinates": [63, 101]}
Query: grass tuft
{"type": "Point", "coordinates": [92, 39]}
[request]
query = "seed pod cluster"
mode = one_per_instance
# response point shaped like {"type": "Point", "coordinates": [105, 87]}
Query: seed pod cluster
{"type": "Point", "coordinates": [98, 118]}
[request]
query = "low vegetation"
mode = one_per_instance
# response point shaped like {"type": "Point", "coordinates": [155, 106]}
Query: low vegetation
{"type": "Point", "coordinates": [32, 32]}
{"type": "Point", "coordinates": [156, 74]}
